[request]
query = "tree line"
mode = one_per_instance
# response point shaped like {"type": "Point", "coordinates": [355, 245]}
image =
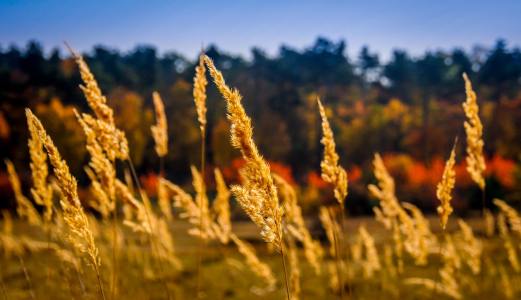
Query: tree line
{"type": "Point", "coordinates": [408, 104]}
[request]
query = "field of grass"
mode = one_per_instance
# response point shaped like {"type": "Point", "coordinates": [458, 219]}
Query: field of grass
{"type": "Point", "coordinates": [198, 252]}
{"type": "Point", "coordinates": [225, 275]}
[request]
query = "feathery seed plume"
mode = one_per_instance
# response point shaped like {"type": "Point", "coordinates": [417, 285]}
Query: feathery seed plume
{"type": "Point", "coordinates": [258, 194]}
{"type": "Point", "coordinates": [73, 212]}
{"type": "Point", "coordinates": [312, 249]}
{"type": "Point", "coordinates": [331, 171]}
{"type": "Point", "coordinates": [24, 207]}
{"type": "Point", "coordinates": [329, 226]}
{"type": "Point", "coordinates": [100, 163]}
{"type": "Point", "coordinates": [42, 192]}
{"type": "Point", "coordinates": [8, 222]}
{"type": "Point", "coordinates": [512, 216]}
{"type": "Point", "coordinates": [445, 187]}
{"type": "Point", "coordinates": [201, 200]}
{"type": "Point", "coordinates": [142, 224]}
{"type": "Point", "coordinates": [371, 253]}
{"type": "Point", "coordinates": [200, 83]}
{"type": "Point", "coordinates": [471, 247]}
{"type": "Point", "coordinates": [160, 131]}
{"type": "Point", "coordinates": [110, 138]}
{"type": "Point", "coordinates": [221, 207]}
{"type": "Point", "coordinates": [474, 129]}
{"type": "Point", "coordinates": [163, 200]}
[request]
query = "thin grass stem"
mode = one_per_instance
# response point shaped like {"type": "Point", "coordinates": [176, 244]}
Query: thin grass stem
{"type": "Point", "coordinates": [346, 247]}
{"type": "Point", "coordinates": [99, 279]}
{"type": "Point", "coordinates": [154, 240]}
{"type": "Point", "coordinates": [438, 277]}
{"type": "Point", "coordinates": [337, 252]}
{"type": "Point", "coordinates": [3, 289]}
{"type": "Point", "coordinates": [27, 277]}
{"type": "Point", "coordinates": [200, 263]}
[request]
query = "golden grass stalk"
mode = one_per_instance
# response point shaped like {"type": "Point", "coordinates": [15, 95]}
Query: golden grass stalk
{"type": "Point", "coordinates": [391, 210]}
{"type": "Point", "coordinates": [445, 187]}
{"type": "Point", "coordinates": [102, 202]}
{"type": "Point", "coordinates": [471, 247]}
{"type": "Point", "coordinates": [329, 226]}
{"type": "Point", "coordinates": [312, 249]}
{"type": "Point", "coordinates": [200, 83]}
{"type": "Point", "coordinates": [201, 200]}
{"type": "Point", "coordinates": [167, 246]}
{"type": "Point", "coordinates": [42, 192]}
{"type": "Point", "coordinates": [338, 257]}
{"type": "Point", "coordinates": [192, 212]}
{"type": "Point", "coordinates": [450, 286]}
{"type": "Point", "coordinates": [259, 268]}
{"type": "Point", "coordinates": [72, 209]}
{"type": "Point", "coordinates": [110, 138]}
{"type": "Point", "coordinates": [336, 175]}
{"type": "Point", "coordinates": [398, 245]}
{"type": "Point", "coordinates": [100, 163]}
{"type": "Point", "coordinates": [221, 207]}
{"type": "Point", "coordinates": [142, 223]}
{"type": "Point", "coordinates": [424, 237]}
{"type": "Point", "coordinates": [24, 207]}
{"type": "Point", "coordinates": [371, 254]}
{"type": "Point", "coordinates": [295, 269]}
{"type": "Point", "coordinates": [511, 249]}
{"type": "Point", "coordinates": [331, 171]}
{"type": "Point", "coordinates": [512, 216]}
{"type": "Point", "coordinates": [258, 194]}
{"type": "Point", "coordinates": [474, 129]}
{"type": "Point", "coordinates": [8, 222]}
{"type": "Point", "coordinates": [160, 131]}
{"type": "Point", "coordinates": [163, 200]}
{"type": "Point", "coordinates": [199, 92]}
{"type": "Point", "coordinates": [385, 189]}
{"type": "Point", "coordinates": [146, 222]}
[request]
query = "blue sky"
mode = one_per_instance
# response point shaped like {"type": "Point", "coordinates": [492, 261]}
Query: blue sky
{"type": "Point", "coordinates": [237, 26]}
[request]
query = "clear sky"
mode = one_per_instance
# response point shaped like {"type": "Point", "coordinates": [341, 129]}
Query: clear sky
{"type": "Point", "coordinates": [237, 26]}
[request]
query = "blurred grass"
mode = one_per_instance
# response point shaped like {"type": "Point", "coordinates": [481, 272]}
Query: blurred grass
{"type": "Point", "coordinates": [224, 280]}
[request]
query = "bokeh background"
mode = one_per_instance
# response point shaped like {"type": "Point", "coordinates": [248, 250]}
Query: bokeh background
{"type": "Point", "coordinates": [389, 73]}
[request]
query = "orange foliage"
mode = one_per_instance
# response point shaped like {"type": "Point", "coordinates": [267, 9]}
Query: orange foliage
{"type": "Point", "coordinates": [502, 169]}
{"type": "Point", "coordinates": [314, 180]}
{"type": "Point", "coordinates": [283, 171]}
{"type": "Point", "coordinates": [149, 183]}
{"type": "Point", "coordinates": [462, 175]}
{"type": "Point", "coordinates": [354, 174]}
{"type": "Point", "coordinates": [231, 171]}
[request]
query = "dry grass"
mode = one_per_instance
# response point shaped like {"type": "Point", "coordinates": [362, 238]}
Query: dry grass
{"type": "Point", "coordinates": [393, 256]}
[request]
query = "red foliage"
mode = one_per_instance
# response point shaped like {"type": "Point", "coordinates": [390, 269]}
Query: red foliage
{"type": "Point", "coordinates": [231, 171]}
{"type": "Point", "coordinates": [149, 183]}
{"type": "Point", "coordinates": [502, 169]}
{"type": "Point", "coordinates": [354, 174]}
{"type": "Point", "coordinates": [283, 171]}
{"type": "Point", "coordinates": [314, 180]}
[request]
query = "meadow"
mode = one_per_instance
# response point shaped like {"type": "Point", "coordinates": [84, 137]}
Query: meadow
{"type": "Point", "coordinates": [123, 243]}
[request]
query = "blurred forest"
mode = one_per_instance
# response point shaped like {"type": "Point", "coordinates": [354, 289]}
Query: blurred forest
{"type": "Point", "coordinates": [408, 109]}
